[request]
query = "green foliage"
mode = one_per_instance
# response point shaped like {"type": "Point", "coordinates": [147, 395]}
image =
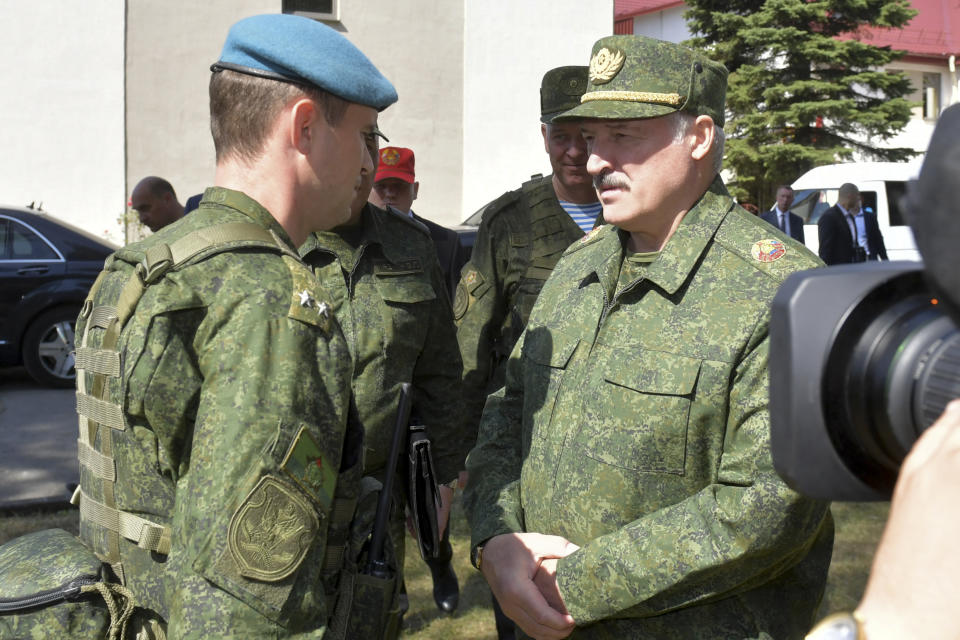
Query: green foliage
{"type": "Point", "coordinates": [798, 96]}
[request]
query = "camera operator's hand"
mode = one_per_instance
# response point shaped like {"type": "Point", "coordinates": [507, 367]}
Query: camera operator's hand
{"type": "Point", "coordinates": [913, 588]}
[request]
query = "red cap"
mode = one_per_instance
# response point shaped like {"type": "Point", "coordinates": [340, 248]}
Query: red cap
{"type": "Point", "coordinates": [395, 162]}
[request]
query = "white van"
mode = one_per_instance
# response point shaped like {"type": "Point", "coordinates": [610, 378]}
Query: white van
{"type": "Point", "coordinates": [881, 185]}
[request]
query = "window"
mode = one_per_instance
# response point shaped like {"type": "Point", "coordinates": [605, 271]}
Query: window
{"type": "Point", "coordinates": [931, 96]}
{"type": "Point", "coordinates": [17, 242]}
{"type": "Point", "coordinates": [810, 204]}
{"type": "Point", "coordinates": [316, 9]}
{"type": "Point", "coordinates": [895, 191]}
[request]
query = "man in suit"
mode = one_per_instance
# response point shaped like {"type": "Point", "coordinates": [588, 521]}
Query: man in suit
{"type": "Point", "coordinates": [848, 233]}
{"type": "Point", "coordinates": [781, 217]}
{"type": "Point", "coordinates": [396, 185]}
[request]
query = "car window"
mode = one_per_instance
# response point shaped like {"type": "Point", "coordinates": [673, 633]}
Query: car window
{"type": "Point", "coordinates": [20, 243]}
{"type": "Point", "coordinates": [810, 204]}
{"type": "Point", "coordinates": [895, 191]}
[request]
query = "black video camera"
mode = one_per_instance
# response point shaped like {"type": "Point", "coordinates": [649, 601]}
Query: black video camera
{"type": "Point", "coordinates": [863, 358]}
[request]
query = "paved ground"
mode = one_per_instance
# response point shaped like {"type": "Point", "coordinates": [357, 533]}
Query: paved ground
{"type": "Point", "coordinates": [38, 441]}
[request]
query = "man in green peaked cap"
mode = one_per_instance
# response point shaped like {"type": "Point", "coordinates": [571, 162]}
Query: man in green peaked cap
{"type": "Point", "coordinates": [521, 236]}
{"type": "Point", "coordinates": [622, 484]}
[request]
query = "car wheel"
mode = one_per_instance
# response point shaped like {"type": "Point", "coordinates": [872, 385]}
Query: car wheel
{"type": "Point", "coordinates": [48, 347]}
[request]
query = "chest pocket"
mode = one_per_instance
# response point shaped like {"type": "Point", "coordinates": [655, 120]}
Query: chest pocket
{"type": "Point", "coordinates": [405, 319]}
{"type": "Point", "coordinates": [645, 400]}
{"type": "Point", "coordinates": [546, 356]}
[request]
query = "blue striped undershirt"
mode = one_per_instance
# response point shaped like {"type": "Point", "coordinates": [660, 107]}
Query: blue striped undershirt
{"type": "Point", "coordinates": [585, 215]}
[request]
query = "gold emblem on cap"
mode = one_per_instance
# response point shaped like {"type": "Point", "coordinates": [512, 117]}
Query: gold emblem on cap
{"type": "Point", "coordinates": [390, 156]}
{"type": "Point", "coordinates": [605, 64]}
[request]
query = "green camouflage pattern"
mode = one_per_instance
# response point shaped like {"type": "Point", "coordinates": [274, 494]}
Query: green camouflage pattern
{"type": "Point", "coordinates": [224, 362]}
{"type": "Point", "coordinates": [634, 422]}
{"type": "Point", "coordinates": [42, 561]}
{"type": "Point", "coordinates": [650, 66]}
{"type": "Point", "coordinates": [390, 295]}
{"type": "Point", "coordinates": [560, 90]}
{"type": "Point", "coordinates": [521, 237]}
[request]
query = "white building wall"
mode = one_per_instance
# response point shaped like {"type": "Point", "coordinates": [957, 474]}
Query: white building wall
{"type": "Point", "coordinates": [508, 46]}
{"type": "Point", "coordinates": [668, 25]}
{"type": "Point", "coordinates": [919, 130]}
{"type": "Point", "coordinates": [170, 47]}
{"type": "Point", "coordinates": [62, 110]}
{"type": "Point", "coordinates": [418, 46]}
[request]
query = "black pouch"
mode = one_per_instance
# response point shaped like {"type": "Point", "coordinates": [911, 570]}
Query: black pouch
{"type": "Point", "coordinates": [366, 605]}
{"type": "Point", "coordinates": [423, 496]}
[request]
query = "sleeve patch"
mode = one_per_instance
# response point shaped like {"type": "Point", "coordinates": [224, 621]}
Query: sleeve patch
{"type": "Point", "coordinates": [271, 531]}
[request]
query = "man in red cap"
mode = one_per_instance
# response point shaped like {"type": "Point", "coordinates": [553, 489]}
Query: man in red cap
{"type": "Point", "coordinates": [395, 185]}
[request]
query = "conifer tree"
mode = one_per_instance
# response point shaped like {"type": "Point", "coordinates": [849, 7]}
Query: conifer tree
{"type": "Point", "coordinates": [798, 95]}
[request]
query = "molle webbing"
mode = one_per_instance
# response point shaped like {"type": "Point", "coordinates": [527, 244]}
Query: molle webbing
{"type": "Point", "coordinates": [95, 406]}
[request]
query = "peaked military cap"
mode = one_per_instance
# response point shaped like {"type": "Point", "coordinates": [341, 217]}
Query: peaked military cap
{"type": "Point", "coordinates": [560, 90]}
{"type": "Point", "coordinates": [300, 50]}
{"type": "Point", "coordinates": [638, 77]}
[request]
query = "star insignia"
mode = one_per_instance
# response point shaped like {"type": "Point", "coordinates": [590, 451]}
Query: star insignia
{"type": "Point", "coordinates": [306, 300]}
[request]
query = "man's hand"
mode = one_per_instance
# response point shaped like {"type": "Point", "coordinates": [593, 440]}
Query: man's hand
{"type": "Point", "coordinates": [510, 563]}
{"type": "Point", "coordinates": [912, 591]}
{"type": "Point", "coordinates": [546, 581]}
{"type": "Point", "coordinates": [443, 515]}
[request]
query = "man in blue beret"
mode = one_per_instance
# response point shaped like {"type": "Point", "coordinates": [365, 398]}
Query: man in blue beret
{"type": "Point", "coordinates": [219, 477]}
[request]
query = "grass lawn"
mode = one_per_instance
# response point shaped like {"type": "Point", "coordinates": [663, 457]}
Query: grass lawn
{"type": "Point", "coordinates": [859, 526]}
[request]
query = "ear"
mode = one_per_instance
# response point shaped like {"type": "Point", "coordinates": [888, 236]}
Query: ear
{"type": "Point", "coordinates": [543, 132]}
{"type": "Point", "coordinates": [416, 189]}
{"type": "Point", "coordinates": [301, 122]}
{"type": "Point", "coordinates": [703, 135]}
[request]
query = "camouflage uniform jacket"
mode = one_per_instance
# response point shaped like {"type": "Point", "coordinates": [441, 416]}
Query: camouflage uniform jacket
{"type": "Point", "coordinates": [521, 237]}
{"type": "Point", "coordinates": [234, 392]}
{"type": "Point", "coordinates": [389, 295]}
{"type": "Point", "coordinates": [635, 424]}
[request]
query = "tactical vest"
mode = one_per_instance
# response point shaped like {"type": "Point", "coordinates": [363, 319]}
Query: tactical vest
{"type": "Point", "coordinates": [540, 238]}
{"type": "Point", "coordinates": [134, 544]}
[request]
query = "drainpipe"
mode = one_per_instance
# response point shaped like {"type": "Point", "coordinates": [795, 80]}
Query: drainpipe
{"type": "Point", "coordinates": [954, 88]}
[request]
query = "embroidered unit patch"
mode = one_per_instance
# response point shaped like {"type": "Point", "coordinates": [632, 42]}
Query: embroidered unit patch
{"type": "Point", "coordinates": [306, 466]}
{"type": "Point", "coordinates": [768, 250]}
{"type": "Point", "coordinates": [272, 530]}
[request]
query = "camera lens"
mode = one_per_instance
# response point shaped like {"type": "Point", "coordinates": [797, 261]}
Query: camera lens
{"type": "Point", "coordinates": [893, 366]}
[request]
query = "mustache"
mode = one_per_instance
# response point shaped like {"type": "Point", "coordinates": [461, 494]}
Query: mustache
{"type": "Point", "coordinates": [610, 181]}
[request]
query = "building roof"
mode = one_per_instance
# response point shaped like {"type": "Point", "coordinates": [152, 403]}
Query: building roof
{"type": "Point", "coordinates": [934, 31]}
{"type": "Point", "coordinates": [630, 8]}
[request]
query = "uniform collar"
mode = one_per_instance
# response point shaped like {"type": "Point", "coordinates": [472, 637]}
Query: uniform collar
{"type": "Point", "coordinates": [682, 251]}
{"type": "Point", "coordinates": [374, 231]}
{"type": "Point", "coordinates": [249, 207]}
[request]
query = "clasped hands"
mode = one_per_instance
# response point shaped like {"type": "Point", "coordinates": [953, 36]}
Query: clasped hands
{"type": "Point", "coordinates": [521, 569]}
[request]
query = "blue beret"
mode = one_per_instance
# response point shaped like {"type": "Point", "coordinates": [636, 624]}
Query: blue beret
{"type": "Point", "coordinates": [297, 49]}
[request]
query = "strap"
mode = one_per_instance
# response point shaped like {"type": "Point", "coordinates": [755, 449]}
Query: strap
{"type": "Point", "coordinates": [146, 534]}
{"type": "Point", "coordinates": [102, 316]}
{"type": "Point", "coordinates": [120, 604]}
{"type": "Point", "coordinates": [213, 237]}
{"type": "Point", "coordinates": [100, 411]}
{"type": "Point", "coordinates": [105, 361]}
{"type": "Point", "coordinates": [98, 464]}
{"type": "Point", "coordinates": [341, 514]}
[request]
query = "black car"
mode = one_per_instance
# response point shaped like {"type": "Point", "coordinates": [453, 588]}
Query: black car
{"type": "Point", "coordinates": [46, 269]}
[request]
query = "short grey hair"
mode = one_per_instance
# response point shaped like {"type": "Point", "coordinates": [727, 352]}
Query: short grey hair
{"type": "Point", "coordinates": [683, 122]}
